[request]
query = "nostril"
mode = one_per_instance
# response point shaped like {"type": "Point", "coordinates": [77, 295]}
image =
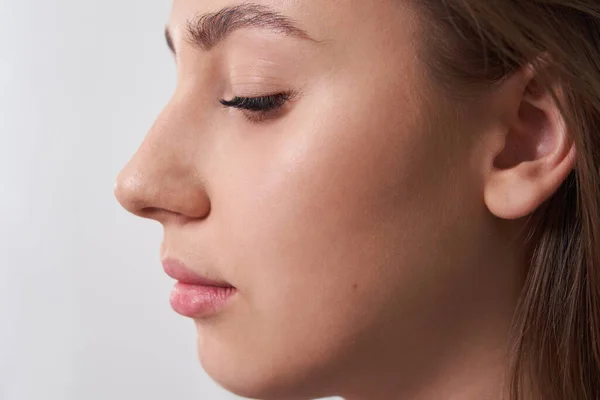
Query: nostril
{"type": "Point", "coordinates": [151, 212]}
{"type": "Point", "coordinates": [162, 215]}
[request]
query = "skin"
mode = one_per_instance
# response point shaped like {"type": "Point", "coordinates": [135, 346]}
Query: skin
{"type": "Point", "coordinates": [371, 227]}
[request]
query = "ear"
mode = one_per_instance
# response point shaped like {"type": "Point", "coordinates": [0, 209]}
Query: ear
{"type": "Point", "coordinates": [533, 154]}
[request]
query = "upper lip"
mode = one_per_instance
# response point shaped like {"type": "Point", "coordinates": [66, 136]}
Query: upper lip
{"type": "Point", "coordinates": [180, 272]}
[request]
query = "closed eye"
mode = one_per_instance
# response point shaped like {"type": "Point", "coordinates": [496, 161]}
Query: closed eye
{"type": "Point", "coordinates": [260, 104]}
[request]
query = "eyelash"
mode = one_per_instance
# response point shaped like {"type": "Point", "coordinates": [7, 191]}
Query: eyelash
{"type": "Point", "coordinates": [258, 108]}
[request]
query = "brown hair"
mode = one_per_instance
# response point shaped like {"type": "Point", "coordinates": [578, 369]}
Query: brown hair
{"type": "Point", "coordinates": [474, 44]}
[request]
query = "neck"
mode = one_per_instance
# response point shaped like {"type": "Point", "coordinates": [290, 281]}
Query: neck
{"type": "Point", "coordinates": [474, 369]}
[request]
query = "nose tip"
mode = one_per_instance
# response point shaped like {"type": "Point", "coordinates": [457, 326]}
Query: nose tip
{"type": "Point", "coordinates": [127, 193]}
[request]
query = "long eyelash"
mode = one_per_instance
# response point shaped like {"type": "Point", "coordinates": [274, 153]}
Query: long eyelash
{"type": "Point", "coordinates": [257, 104]}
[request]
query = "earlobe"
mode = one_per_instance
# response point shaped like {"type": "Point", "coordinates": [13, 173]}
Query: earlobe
{"type": "Point", "coordinates": [536, 157]}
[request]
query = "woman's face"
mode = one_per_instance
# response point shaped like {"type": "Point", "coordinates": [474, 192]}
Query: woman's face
{"type": "Point", "coordinates": [336, 214]}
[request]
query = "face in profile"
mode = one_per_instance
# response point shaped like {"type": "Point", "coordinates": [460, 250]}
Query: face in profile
{"type": "Point", "coordinates": [313, 186]}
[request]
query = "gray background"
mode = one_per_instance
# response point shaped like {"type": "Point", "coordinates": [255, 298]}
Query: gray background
{"type": "Point", "coordinates": [84, 311]}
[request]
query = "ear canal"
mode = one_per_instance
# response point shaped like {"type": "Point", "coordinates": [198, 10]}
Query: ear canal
{"type": "Point", "coordinates": [529, 140]}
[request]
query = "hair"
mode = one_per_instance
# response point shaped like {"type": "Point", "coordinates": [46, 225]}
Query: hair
{"type": "Point", "coordinates": [475, 44]}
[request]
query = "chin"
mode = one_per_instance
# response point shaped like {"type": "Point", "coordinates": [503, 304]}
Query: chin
{"type": "Point", "coordinates": [264, 376]}
{"type": "Point", "coordinates": [248, 381]}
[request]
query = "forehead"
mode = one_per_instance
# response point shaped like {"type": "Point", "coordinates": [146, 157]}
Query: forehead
{"type": "Point", "coordinates": [322, 19]}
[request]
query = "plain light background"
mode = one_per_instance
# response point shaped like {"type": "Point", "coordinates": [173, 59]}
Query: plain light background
{"type": "Point", "coordinates": [84, 311]}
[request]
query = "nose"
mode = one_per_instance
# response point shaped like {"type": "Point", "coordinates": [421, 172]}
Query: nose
{"type": "Point", "coordinates": [163, 180]}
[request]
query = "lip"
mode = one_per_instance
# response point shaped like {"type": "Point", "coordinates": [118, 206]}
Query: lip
{"type": "Point", "coordinates": [195, 296]}
{"type": "Point", "coordinates": [181, 273]}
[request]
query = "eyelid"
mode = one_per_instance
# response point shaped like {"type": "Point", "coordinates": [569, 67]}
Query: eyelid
{"type": "Point", "coordinates": [251, 86]}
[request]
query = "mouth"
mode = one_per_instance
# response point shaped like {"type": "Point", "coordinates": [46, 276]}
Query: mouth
{"type": "Point", "coordinates": [194, 295]}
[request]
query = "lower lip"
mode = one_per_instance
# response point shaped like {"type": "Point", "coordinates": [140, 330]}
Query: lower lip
{"type": "Point", "coordinates": [196, 301]}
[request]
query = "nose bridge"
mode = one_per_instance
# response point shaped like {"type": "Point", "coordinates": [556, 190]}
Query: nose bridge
{"type": "Point", "coordinates": [164, 177]}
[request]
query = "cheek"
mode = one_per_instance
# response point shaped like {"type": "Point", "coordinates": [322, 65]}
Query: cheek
{"type": "Point", "coordinates": [320, 225]}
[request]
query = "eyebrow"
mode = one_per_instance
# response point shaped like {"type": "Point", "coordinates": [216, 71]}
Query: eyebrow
{"type": "Point", "coordinates": [206, 30]}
